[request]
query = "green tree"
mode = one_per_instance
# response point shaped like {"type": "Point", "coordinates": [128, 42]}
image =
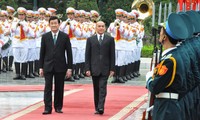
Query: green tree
{"type": "Point", "coordinates": [4, 3]}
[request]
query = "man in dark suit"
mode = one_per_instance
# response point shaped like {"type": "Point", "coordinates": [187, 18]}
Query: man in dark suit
{"type": "Point", "coordinates": [53, 64]}
{"type": "Point", "coordinates": [100, 63]}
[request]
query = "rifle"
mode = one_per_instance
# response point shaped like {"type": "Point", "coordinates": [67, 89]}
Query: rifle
{"type": "Point", "coordinates": [154, 61]}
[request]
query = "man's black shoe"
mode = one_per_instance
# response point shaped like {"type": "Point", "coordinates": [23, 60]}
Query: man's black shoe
{"type": "Point", "coordinates": [101, 111]}
{"type": "Point", "coordinates": [46, 112]}
{"type": "Point", "coordinates": [59, 111]}
{"type": "Point", "coordinates": [96, 112]}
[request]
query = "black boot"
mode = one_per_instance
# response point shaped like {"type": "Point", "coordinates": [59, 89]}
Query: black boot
{"type": "Point", "coordinates": [17, 70]}
{"type": "Point", "coordinates": [131, 71]}
{"type": "Point", "coordinates": [82, 71]}
{"type": "Point", "coordinates": [121, 74]}
{"type": "Point", "coordinates": [76, 76]}
{"type": "Point", "coordinates": [127, 72]}
{"type": "Point", "coordinates": [31, 70]}
{"type": "Point", "coordinates": [10, 63]}
{"type": "Point", "coordinates": [116, 74]}
{"type": "Point", "coordinates": [138, 68]}
{"type": "Point", "coordinates": [134, 70]}
{"type": "Point", "coordinates": [36, 68]}
{"type": "Point", "coordinates": [5, 64]}
{"type": "Point", "coordinates": [24, 71]}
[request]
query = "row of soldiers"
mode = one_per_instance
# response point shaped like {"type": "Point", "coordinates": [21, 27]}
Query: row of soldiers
{"type": "Point", "coordinates": [21, 38]}
{"type": "Point", "coordinates": [176, 78]}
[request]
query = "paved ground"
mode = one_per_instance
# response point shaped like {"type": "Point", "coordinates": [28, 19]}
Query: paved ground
{"type": "Point", "coordinates": [28, 98]}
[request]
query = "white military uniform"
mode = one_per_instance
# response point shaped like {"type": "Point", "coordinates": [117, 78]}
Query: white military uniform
{"type": "Point", "coordinates": [20, 44]}
{"type": "Point", "coordinates": [69, 27]}
{"type": "Point", "coordinates": [32, 42]}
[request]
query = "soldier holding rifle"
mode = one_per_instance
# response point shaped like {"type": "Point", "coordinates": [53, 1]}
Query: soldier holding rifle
{"type": "Point", "coordinates": [166, 81]}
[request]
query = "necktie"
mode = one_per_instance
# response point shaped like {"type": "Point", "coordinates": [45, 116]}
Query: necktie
{"type": "Point", "coordinates": [100, 39]}
{"type": "Point", "coordinates": [54, 39]}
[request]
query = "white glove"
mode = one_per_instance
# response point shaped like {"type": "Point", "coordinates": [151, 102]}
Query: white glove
{"type": "Point", "coordinates": [148, 75]}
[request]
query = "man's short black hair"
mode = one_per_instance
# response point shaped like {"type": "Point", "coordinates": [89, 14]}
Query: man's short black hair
{"type": "Point", "coordinates": [54, 18]}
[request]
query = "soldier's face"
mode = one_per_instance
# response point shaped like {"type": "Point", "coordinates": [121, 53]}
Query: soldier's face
{"type": "Point", "coordinates": [100, 27]}
{"type": "Point", "coordinates": [21, 16]}
{"type": "Point", "coordinates": [54, 25]}
{"type": "Point", "coordinates": [42, 15]}
{"type": "Point", "coordinates": [70, 16]}
{"type": "Point", "coordinates": [162, 36]}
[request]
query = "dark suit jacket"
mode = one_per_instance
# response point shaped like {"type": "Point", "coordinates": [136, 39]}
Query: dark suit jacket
{"type": "Point", "coordinates": [52, 57]}
{"type": "Point", "coordinates": [100, 59]}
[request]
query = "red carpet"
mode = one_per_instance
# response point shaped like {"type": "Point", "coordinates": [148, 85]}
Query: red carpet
{"type": "Point", "coordinates": [79, 105]}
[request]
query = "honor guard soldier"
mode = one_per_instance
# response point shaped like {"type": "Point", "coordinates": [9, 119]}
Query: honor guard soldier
{"type": "Point", "coordinates": [94, 18]}
{"type": "Point", "coordinates": [42, 12]}
{"type": "Point", "coordinates": [1, 38]}
{"type": "Point", "coordinates": [52, 10]}
{"type": "Point", "coordinates": [11, 18]}
{"type": "Point", "coordinates": [39, 31]}
{"type": "Point", "coordinates": [188, 49]}
{"type": "Point", "coordinates": [126, 48]}
{"type": "Point", "coordinates": [36, 16]}
{"type": "Point", "coordinates": [140, 27]}
{"type": "Point", "coordinates": [115, 29]}
{"type": "Point", "coordinates": [19, 31]}
{"type": "Point", "coordinates": [132, 45]}
{"type": "Point", "coordinates": [48, 15]}
{"type": "Point", "coordinates": [69, 27]}
{"type": "Point", "coordinates": [90, 25]}
{"type": "Point", "coordinates": [167, 80]}
{"type": "Point", "coordinates": [32, 43]}
{"type": "Point", "coordinates": [81, 43]}
{"type": "Point", "coordinates": [6, 39]}
{"type": "Point", "coordinates": [11, 14]}
{"type": "Point", "coordinates": [41, 28]}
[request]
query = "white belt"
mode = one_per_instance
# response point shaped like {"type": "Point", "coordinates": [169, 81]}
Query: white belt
{"type": "Point", "coordinates": [167, 95]}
